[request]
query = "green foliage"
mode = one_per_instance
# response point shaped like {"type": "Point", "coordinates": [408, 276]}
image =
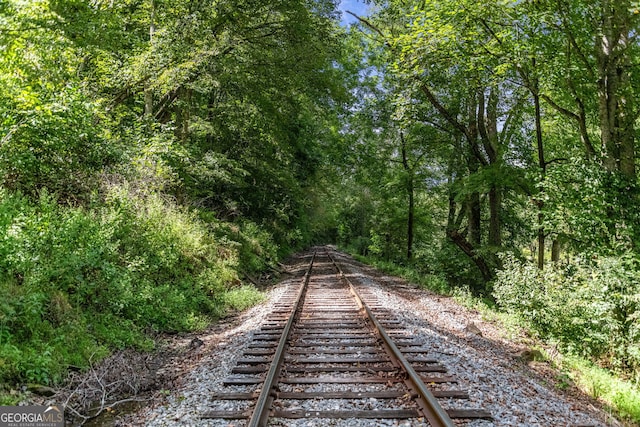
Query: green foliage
{"type": "Point", "coordinates": [54, 145]}
{"type": "Point", "coordinates": [456, 268]}
{"type": "Point", "coordinates": [590, 307]}
{"type": "Point", "coordinates": [461, 81]}
{"type": "Point", "coordinates": [154, 153]}
{"type": "Point", "coordinates": [591, 210]}
{"type": "Point", "coordinates": [75, 283]}
{"type": "Point", "coordinates": [243, 297]}
{"type": "Point", "coordinates": [151, 155]}
{"type": "Point", "coordinates": [617, 391]}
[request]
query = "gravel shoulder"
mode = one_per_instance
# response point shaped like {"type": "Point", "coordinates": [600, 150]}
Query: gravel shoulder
{"type": "Point", "coordinates": [483, 356]}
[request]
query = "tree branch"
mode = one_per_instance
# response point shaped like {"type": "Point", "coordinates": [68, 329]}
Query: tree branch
{"type": "Point", "coordinates": [559, 108]}
{"type": "Point", "coordinates": [562, 7]}
{"type": "Point", "coordinates": [559, 160]}
{"type": "Point", "coordinates": [371, 26]}
{"type": "Point", "coordinates": [452, 120]}
{"type": "Point", "coordinates": [579, 118]}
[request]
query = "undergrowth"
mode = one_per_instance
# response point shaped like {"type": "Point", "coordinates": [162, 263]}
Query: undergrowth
{"type": "Point", "coordinates": [588, 309]}
{"type": "Point", "coordinates": [78, 282]}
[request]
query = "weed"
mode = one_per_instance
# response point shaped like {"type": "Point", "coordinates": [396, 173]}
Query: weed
{"type": "Point", "coordinates": [563, 381]}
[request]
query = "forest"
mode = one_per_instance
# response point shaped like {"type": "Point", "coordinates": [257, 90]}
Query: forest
{"type": "Point", "coordinates": [159, 157]}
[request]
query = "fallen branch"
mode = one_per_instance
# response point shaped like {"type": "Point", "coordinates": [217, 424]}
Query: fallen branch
{"type": "Point", "coordinates": [114, 381]}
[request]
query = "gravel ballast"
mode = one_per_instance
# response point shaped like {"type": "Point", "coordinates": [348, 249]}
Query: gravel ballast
{"type": "Point", "coordinates": [478, 354]}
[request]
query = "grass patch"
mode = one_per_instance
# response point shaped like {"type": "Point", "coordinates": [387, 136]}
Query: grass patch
{"type": "Point", "coordinates": [243, 297]}
{"type": "Point", "coordinates": [622, 396]}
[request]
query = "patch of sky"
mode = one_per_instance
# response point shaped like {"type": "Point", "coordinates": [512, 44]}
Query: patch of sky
{"type": "Point", "coordinates": [358, 7]}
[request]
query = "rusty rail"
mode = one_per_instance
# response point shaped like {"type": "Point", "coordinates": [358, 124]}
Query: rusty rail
{"type": "Point", "coordinates": [261, 410]}
{"type": "Point", "coordinates": [427, 402]}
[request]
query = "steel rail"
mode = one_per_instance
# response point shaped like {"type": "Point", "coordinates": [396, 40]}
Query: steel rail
{"type": "Point", "coordinates": [263, 405]}
{"type": "Point", "coordinates": [430, 408]}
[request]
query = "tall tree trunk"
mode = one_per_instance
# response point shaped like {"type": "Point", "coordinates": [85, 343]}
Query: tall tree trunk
{"type": "Point", "coordinates": [555, 250]}
{"type": "Point", "coordinates": [148, 94]}
{"type": "Point", "coordinates": [541, 238]}
{"type": "Point", "coordinates": [410, 221]}
{"type": "Point", "coordinates": [492, 147]}
{"type": "Point", "coordinates": [474, 219]}
{"type": "Point", "coordinates": [542, 164]}
{"type": "Point", "coordinates": [452, 217]}
{"type": "Point", "coordinates": [616, 109]}
{"type": "Point", "coordinates": [495, 227]}
{"type": "Point", "coordinates": [410, 191]}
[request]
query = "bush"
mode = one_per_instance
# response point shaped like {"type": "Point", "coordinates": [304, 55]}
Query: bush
{"type": "Point", "coordinates": [78, 282]}
{"type": "Point", "coordinates": [591, 308]}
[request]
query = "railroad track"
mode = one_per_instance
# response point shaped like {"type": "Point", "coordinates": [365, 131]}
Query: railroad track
{"type": "Point", "coordinates": [330, 342]}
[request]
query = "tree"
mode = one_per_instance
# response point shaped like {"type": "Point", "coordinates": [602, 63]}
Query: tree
{"type": "Point", "coordinates": [203, 94]}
